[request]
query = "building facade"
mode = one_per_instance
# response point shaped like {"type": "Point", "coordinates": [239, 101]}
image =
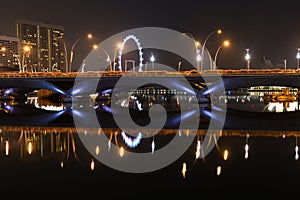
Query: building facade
{"type": "Point", "coordinates": [9, 53]}
{"type": "Point", "coordinates": [47, 47]}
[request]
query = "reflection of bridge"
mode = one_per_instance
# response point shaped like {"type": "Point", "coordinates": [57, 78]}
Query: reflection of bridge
{"type": "Point", "coordinates": [63, 83]}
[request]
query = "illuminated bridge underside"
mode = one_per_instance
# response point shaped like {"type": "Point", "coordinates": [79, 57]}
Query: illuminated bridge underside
{"type": "Point", "coordinates": [88, 81]}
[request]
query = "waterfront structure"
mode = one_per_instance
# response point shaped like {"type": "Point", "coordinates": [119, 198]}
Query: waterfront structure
{"type": "Point", "coordinates": [46, 42]}
{"type": "Point", "coordinates": [10, 52]}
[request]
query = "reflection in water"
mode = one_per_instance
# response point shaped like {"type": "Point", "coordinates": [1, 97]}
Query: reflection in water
{"type": "Point", "coordinates": [25, 142]}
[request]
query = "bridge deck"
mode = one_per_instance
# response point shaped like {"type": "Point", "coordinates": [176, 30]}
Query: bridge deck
{"type": "Point", "coordinates": [242, 72]}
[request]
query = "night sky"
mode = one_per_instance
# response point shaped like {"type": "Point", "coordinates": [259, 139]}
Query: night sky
{"type": "Point", "coordinates": [267, 28]}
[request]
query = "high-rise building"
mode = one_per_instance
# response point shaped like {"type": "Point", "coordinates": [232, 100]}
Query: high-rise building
{"type": "Point", "coordinates": [9, 53]}
{"type": "Point", "coordinates": [47, 49]}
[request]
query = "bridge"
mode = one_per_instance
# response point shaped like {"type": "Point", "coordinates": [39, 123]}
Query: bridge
{"type": "Point", "coordinates": [89, 82]}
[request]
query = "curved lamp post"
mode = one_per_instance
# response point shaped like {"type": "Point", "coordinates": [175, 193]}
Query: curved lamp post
{"type": "Point", "coordinates": [89, 36]}
{"type": "Point", "coordinates": [226, 43]}
{"type": "Point", "coordinates": [106, 53]}
{"type": "Point", "coordinates": [26, 49]}
{"type": "Point", "coordinates": [219, 31]}
{"type": "Point", "coordinates": [197, 44]}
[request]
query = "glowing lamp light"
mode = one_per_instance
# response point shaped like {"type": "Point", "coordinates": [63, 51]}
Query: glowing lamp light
{"type": "Point", "coordinates": [61, 164]}
{"type": "Point", "coordinates": [152, 58]}
{"type": "Point", "coordinates": [298, 55]}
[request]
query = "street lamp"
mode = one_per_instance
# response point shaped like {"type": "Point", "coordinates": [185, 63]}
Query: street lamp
{"type": "Point", "coordinates": [26, 49]}
{"type": "Point", "coordinates": [226, 43]}
{"type": "Point", "coordinates": [89, 36]}
{"type": "Point", "coordinates": [219, 31]}
{"type": "Point", "coordinates": [152, 60]}
{"type": "Point", "coordinates": [247, 58]}
{"type": "Point", "coordinates": [106, 53]}
{"type": "Point", "coordinates": [197, 44]}
{"type": "Point", "coordinates": [298, 57]}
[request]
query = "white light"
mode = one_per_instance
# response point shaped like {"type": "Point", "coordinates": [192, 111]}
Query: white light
{"type": "Point", "coordinates": [247, 57]}
{"type": "Point", "coordinates": [152, 146]}
{"type": "Point", "coordinates": [198, 57]}
{"type": "Point", "coordinates": [152, 58]}
{"type": "Point", "coordinates": [298, 54]}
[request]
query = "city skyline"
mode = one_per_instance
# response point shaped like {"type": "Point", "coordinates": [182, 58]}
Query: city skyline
{"type": "Point", "coordinates": [270, 30]}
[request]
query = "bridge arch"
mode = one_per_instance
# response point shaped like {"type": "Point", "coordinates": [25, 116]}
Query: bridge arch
{"type": "Point", "coordinates": [139, 47]}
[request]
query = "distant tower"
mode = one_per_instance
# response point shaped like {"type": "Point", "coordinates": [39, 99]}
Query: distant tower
{"type": "Point", "coordinates": [46, 42]}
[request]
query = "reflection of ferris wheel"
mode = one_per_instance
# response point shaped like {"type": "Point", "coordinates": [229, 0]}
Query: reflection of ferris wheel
{"type": "Point", "coordinates": [138, 47]}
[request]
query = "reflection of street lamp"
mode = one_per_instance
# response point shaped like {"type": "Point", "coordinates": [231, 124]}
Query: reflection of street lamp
{"type": "Point", "coordinates": [298, 57]}
{"type": "Point", "coordinates": [89, 36]}
{"type": "Point", "coordinates": [247, 58]}
{"type": "Point", "coordinates": [107, 55]}
{"type": "Point", "coordinates": [197, 44]}
{"type": "Point", "coordinates": [152, 59]}
{"type": "Point", "coordinates": [226, 43]}
{"type": "Point", "coordinates": [219, 31]}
